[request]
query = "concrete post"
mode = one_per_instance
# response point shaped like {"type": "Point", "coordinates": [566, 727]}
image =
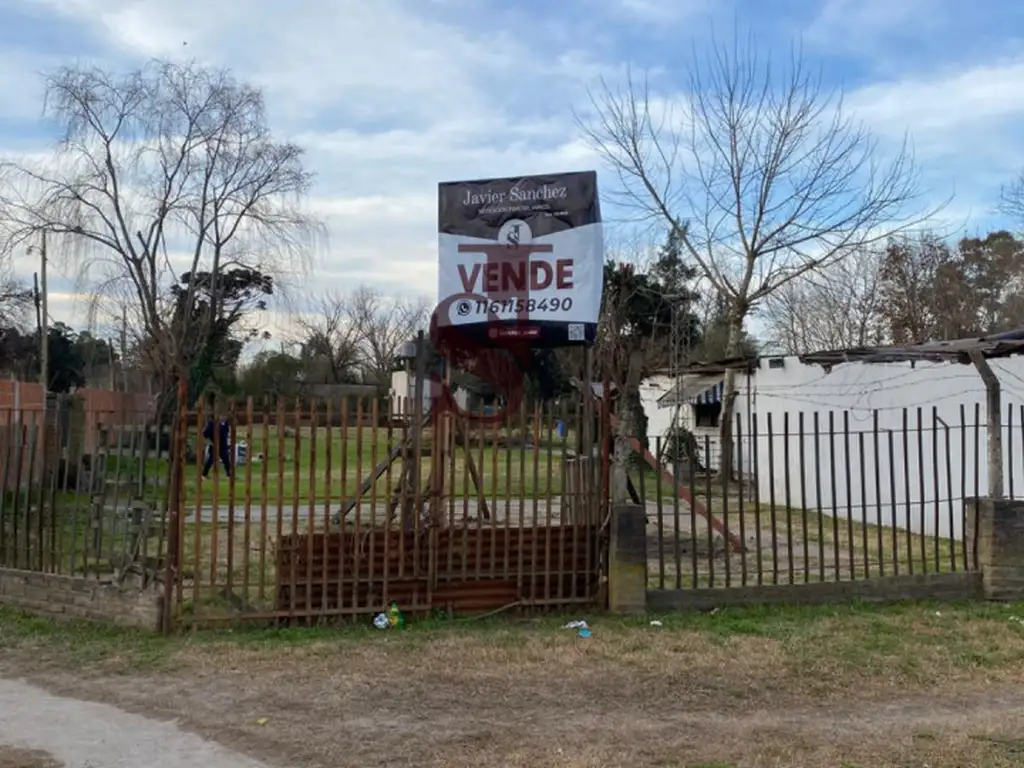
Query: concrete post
{"type": "Point", "coordinates": [994, 533]}
{"type": "Point", "coordinates": [627, 560]}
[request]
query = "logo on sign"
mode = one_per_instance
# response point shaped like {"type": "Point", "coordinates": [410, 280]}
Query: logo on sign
{"type": "Point", "coordinates": [515, 232]}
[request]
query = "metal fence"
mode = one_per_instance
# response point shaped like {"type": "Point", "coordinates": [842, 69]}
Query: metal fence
{"type": "Point", "coordinates": [316, 510]}
{"type": "Point", "coordinates": [334, 508]}
{"type": "Point", "coordinates": [84, 493]}
{"type": "Point", "coordinates": [317, 515]}
{"type": "Point", "coordinates": [829, 497]}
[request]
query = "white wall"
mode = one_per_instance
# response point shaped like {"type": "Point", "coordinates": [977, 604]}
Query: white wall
{"type": "Point", "coordinates": [659, 419]}
{"type": "Point", "coordinates": [403, 390]}
{"type": "Point", "coordinates": [905, 436]}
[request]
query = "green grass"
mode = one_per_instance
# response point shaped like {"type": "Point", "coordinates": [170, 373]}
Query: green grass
{"type": "Point", "coordinates": [309, 464]}
{"type": "Point", "coordinates": [870, 638]}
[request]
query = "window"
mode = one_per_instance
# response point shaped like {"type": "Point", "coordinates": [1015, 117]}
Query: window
{"type": "Point", "coordinates": [706, 414]}
{"type": "Point", "coordinates": [777, 362]}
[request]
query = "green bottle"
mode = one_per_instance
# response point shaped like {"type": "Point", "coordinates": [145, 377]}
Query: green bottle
{"type": "Point", "coordinates": [395, 617]}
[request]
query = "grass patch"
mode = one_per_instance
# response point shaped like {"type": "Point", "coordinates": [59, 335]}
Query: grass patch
{"type": "Point", "coordinates": [318, 463]}
{"type": "Point", "coordinates": [864, 638]}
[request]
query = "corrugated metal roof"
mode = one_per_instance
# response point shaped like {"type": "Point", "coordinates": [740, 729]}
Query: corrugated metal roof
{"type": "Point", "coordinates": [689, 389]}
{"type": "Point", "coordinates": [955, 350]}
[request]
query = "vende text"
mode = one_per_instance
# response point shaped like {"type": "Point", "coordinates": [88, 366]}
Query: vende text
{"type": "Point", "coordinates": [520, 275]}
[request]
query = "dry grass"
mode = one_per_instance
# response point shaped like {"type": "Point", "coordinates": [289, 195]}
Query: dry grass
{"type": "Point", "coordinates": [12, 757]}
{"type": "Point", "coordinates": [854, 686]}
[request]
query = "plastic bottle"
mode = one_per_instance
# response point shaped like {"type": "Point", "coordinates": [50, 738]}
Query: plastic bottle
{"type": "Point", "coordinates": [395, 617]}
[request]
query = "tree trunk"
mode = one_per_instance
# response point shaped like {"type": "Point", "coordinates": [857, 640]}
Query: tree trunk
{"type": "Point", "coordinates": [629, 403]}
{"type": "Point", "coordinates": [727, 415]}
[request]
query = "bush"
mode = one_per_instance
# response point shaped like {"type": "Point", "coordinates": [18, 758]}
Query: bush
{"type": "Point", "coordinates": [681, 445]}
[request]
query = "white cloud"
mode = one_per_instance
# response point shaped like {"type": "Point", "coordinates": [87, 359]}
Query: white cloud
{"type": "Point", "coordinates": [852, 24]}
{"type": "Point", "coordinates": [964, 126]}
{"type": "Point", "coordinates": [393, 96]}
{"type": "Point", "coordinates": [388, 99]}
{"type": "Point", "coordinates": [660, 11]}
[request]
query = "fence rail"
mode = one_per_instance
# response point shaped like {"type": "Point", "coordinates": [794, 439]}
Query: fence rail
{"type": "Point", "coordinates": [824, 497]}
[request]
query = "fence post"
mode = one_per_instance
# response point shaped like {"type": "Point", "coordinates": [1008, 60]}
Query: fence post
{"type": "Point", "coordinates": [627, 560]}
{"type": "Point", "coordinates": [994, 528]}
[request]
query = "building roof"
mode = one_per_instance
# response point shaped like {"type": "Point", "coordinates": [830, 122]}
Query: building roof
{"type": "Point", "coordinates": [693, 389]}
{"type": "Point", "coordinates": [955, 350]}
{"type": "Point", "coordinates": [1003, 344]}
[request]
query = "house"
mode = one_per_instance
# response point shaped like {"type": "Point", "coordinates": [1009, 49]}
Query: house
{"type": "Point", "coordinates": [403, 393]}
{"type": "Point", "coordinates": [895, 440]}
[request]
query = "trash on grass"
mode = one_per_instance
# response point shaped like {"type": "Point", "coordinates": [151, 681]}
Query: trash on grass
{"type": "Point", "coordinates": [656, 623]}
{"type": "Point", "coordinates": [380, 621]}
{"type": "Point", "coordinates": [261, 720]}
{"type": "Point", "coordinates": [394, 617]}
{"type": "Point", "coordinates": [578, 624]}
{"type": "Point", "coordinates": [583, 632]}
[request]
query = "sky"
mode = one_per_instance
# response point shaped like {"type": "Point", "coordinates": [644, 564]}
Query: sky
{"type": "Point", "coordinates": [391, 97]}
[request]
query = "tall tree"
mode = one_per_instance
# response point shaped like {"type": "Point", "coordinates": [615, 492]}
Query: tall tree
{"type": "Point", "coordinates": [643, 312]}
{"type": "Point", "coordinates": [992, 273]}
{"type": "Point", "coordinates": [922, 291]}
{"type": "Point", "coordinates": [167, 170]}
{"type": "Point", "coordinates": [383, 325]}
{"type": "Point", "coordinates": [212, 316]}
{"type": "Point", "coordinates": [273, 373]}
{"type": "Point", "coordinates": [19, 356]}
{"type": "Point", "coordinates": [837, 308]}
{"type": "Point", "coordinates": [330, 341]}
{"type": "Point", "coordinates": [759, 172]}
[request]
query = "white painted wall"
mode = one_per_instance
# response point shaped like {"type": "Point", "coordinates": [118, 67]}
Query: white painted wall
{"type": "Point", "coordinates": [659, 419]}
{"type": "Point", "coordinates": [403, 391]}
{"type": "Point", "coordinates": [913, 474]}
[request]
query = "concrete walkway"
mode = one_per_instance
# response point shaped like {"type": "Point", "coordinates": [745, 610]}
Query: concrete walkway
{"type": "Point", "coordinates": [82, 734]}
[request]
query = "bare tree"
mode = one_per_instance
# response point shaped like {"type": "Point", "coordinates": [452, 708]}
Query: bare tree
{"type": "Point", "coordinates": [383, 325]}
{"type": "Point", "coordinates": [759, 171]}
{"type": "Point", "coordinates": [837, 307]}
{"type": "Point", "coordinates": [1012, 199]}
{"type": "Point", "coordinates": [15, 300]}
{"type": "Point", "coordinates": [330, 341]}
{"type": "Point", "coordinates": [167, 171]}
{"type": "Point", "coordinates": [925, 292]}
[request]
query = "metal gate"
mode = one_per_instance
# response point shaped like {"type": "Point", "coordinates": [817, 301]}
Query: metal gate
{"type": "Point", "coordinates": [334, 508]}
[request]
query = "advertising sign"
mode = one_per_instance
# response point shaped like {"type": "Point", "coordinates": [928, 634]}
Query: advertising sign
{"type": "Point", "coordinates": [521, 258]}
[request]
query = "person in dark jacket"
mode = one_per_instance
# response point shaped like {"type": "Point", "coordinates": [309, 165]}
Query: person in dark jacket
{"type": "Point", "coordinates": [223, 445]}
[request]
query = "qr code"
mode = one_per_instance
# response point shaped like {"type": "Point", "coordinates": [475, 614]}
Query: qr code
{"type": "Point", "coordinates": [576, 332]}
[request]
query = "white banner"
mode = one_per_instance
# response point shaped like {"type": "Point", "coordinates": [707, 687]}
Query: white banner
{"type": "Point", "coordinates": [522, 257]}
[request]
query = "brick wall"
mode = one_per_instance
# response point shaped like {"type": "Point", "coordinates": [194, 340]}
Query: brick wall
{"type": "Point", "coordinates": [69, 597]}
{"type": "Point", "coordinates": [995, 532]}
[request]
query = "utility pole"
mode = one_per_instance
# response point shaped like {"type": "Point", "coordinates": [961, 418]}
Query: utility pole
{"type": "Point", "coordinates": [44, 350]}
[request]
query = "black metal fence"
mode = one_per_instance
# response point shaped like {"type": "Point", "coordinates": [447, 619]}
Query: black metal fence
{"type": "Point", "coordinates": [823, 496]}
